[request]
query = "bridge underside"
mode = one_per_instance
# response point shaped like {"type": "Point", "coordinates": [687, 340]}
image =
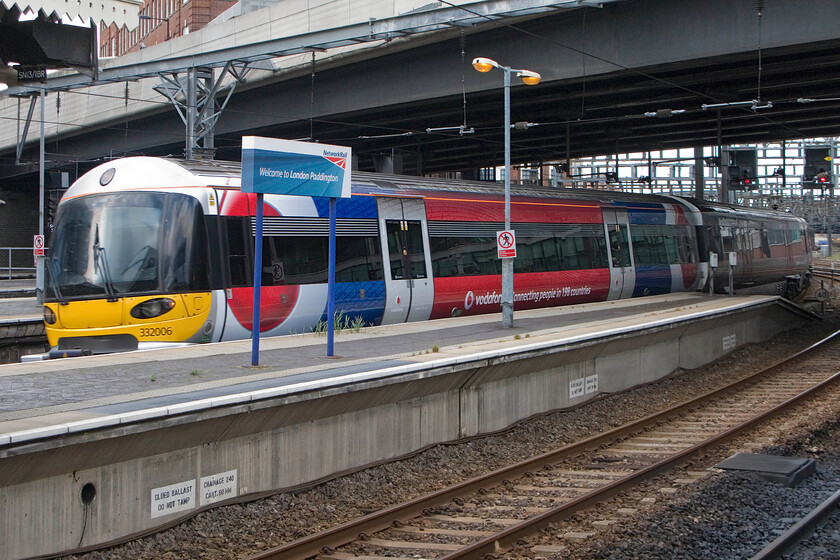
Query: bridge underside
{"type": "Point", "coordinates": [652, 108]}
{"type": "Point", "coordinates": [631, 76]}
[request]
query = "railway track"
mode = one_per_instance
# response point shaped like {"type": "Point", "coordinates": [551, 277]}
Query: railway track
{"type": "Point", "coordinates": [788, 542]}
{"type": "Point", "coordinates": [826, 273]}
{"type": "Point", "coordinates": [491, 513]}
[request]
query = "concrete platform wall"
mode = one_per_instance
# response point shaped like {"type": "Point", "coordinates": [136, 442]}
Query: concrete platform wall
{"type": "Point", "coordinates": [294, 440]}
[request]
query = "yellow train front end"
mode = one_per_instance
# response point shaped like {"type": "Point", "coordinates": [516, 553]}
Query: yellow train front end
{"type": "Point", "coordinates": [127, 269]}
{"type": "Point", "coordinates": [129, 323]}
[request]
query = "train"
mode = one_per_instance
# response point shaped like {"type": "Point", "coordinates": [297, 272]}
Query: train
{"type": "Point", "coordinates": [152, 252]}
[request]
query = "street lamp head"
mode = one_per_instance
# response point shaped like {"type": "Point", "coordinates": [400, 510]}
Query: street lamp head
{"type": "Point", "coordinates": [484, 64]}
{"type": "Point", "coordinates": [530, 78]}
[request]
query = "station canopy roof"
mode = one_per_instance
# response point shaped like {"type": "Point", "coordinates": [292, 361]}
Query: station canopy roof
{"type": "Point", "coordinates": [120, 12]}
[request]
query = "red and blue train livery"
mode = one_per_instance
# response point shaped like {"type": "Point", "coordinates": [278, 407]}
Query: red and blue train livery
{"type": "Point", "coordinates": [150, 252]}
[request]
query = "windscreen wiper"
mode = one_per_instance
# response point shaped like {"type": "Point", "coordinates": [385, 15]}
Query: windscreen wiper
{"type": "Point", "coordinates": [99, 255]}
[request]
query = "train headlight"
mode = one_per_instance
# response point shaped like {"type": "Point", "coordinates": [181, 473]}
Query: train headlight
{"type": "Point", "coordinates": [152, 308]}
{"type": "Point", "coordinates": [49, 316]}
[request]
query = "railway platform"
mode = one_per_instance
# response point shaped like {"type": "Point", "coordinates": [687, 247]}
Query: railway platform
{"type": "Point", "coordinates": [17, 288]}
{"type": "Point", "coordinates": [21, 320]}
{"type": "Point", "coordinates": [133, 429]}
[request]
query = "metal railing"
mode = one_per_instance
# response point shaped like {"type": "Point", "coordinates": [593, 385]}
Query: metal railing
{"type": "Point", "coordinates": [7, 264]}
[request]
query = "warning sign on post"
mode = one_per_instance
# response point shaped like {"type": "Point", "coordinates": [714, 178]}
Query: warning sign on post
{"type": "Point", "coordinates": [38, 246]}
{"type": "Point", "coordinates": [506, 244]}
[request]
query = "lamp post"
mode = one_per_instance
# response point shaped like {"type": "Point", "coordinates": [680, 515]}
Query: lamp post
{"type": "Point", "coordinates": [530, 78]}
{"type": "Point", "coordinates": [158, 19]}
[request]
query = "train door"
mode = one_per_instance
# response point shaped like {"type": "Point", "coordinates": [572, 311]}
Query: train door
{"type": "Point", "coordinates": [409, 290]}
{"type": "Point", "coordinates": [622, 273]}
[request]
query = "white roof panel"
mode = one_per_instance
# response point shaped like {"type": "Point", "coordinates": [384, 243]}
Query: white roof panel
{"type": "Point", "coordinates": [121, 12]}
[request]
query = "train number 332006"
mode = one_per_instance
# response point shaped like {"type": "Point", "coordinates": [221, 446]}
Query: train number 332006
{"type": "Point", "coordinates": [156, 331]}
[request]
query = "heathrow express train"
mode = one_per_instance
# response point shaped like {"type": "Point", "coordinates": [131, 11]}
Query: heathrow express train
{"type": "Point", "coordinates": [149, 252]}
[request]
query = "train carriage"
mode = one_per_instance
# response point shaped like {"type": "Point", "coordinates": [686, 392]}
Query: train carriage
{"type": "Point", "coordinates": [768, 246]}
{"type": "Point", "coordinates": [150, 252]}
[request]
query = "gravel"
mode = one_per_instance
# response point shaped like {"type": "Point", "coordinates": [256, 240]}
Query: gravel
{"type": "Point", "coordinates": [730, 515]}
{"type": "Point", "coordinates": [725, 515]}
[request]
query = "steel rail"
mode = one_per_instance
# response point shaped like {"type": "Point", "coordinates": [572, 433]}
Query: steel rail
{"type": "Point", "coordinates": [310, 546]}
{"type": "Point", "coordinates": [787, 542]}
{"type": "Point", "coordinates": [508, 537]}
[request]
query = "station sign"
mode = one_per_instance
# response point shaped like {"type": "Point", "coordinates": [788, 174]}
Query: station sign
{"type": "Point", "coordinates": [506, 244]}
{"type": "Point", "coordinates": [276, 166]}
{"type": "Point", "coordinates": [287, 167]}
{"type": "Point", "coordinates": [31, 74]}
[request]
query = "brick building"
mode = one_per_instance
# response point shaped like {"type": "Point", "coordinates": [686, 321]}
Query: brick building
{"type": "Point", "coordinates": [160, 20]}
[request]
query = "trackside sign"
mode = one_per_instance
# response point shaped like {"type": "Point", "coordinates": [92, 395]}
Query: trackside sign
{"type": "Point", "coordinates": [275, 166]}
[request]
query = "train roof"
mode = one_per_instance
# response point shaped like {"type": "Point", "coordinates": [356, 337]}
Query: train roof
{"type": "Point", "coordinates": [227, 174]}
{"type": "Point", "coordinates": [735, 211]}
{"type": "Point", "coordinates": [371, 183]}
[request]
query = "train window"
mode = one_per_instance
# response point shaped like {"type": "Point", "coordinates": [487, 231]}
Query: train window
{"type": "Point", "coordinates": [572, 247]}
{"type": "Point", "coordinates": [536, 254]}
{"type": "Point", "coordinates": [237, 250]}
{"type": "Point", "coordinates": [573, 255]}
{"type": "Point", "coordinates": [305, 259]}
{"type": "Point", "coordinates": [298, 260]}
{"type": "Point", "coordinates": [764, 237]}
{"type": "Point", "coordinates": [583, 247]}
{"type": "Point", "coordinates": [716, 238]}
{"type": "Point", "coordinates": [776, 237]}
{"type": "Point", "coordinates": [619, 246]}
{"type": "Point", "coordinates": [464, 256]}
{"type": "Point", "coordinates": [727, 236]}
{"type": "Point", "coordinates": [416, 254]}
{"type": "Point", "coordinates": [524, 261]}
{"type": "Point", "coordinates": [184, 247]}
{"type": "Point", "coordinates": [688, 244]}
{"type": "Point", "coordinates": [396, 248]}
{"type": "Point", "coordinates": [662, 244]}
{"type": "Point", "coordinates": [125, 243]}
{"type": "Point", "coordinates": [648, 245]}
{"type": "Point", "coordinates": [797, 235]}
{"type": "Point", "coordinates": [357, 259]}
{"type": "Point", "coordinates": [273, 267]}
{"type": "Point", "coordinates": [405, 246]}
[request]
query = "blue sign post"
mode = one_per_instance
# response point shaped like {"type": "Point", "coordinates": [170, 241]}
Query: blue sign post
{"type": "Point", "coordinates": [274, 166]}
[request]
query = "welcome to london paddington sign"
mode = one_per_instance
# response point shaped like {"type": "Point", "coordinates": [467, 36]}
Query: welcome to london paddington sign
{"type": "Point", "coordinates": [276, 166]}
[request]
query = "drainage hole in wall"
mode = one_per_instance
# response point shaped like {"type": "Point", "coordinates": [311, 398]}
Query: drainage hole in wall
{"type": "Point", "coordinates": [88, 493]}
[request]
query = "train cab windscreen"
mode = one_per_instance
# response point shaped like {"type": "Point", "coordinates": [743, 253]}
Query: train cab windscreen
{"type": "Point", "coordinates": [405, 246]}
{"type": "Point", "coordinates": [128, 243]}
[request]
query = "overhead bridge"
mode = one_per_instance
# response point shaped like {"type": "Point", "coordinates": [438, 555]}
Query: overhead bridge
{"type": "Point", "coordinates": [94, 449]}
{"type": "Point", "coordinates": [618, 76]}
